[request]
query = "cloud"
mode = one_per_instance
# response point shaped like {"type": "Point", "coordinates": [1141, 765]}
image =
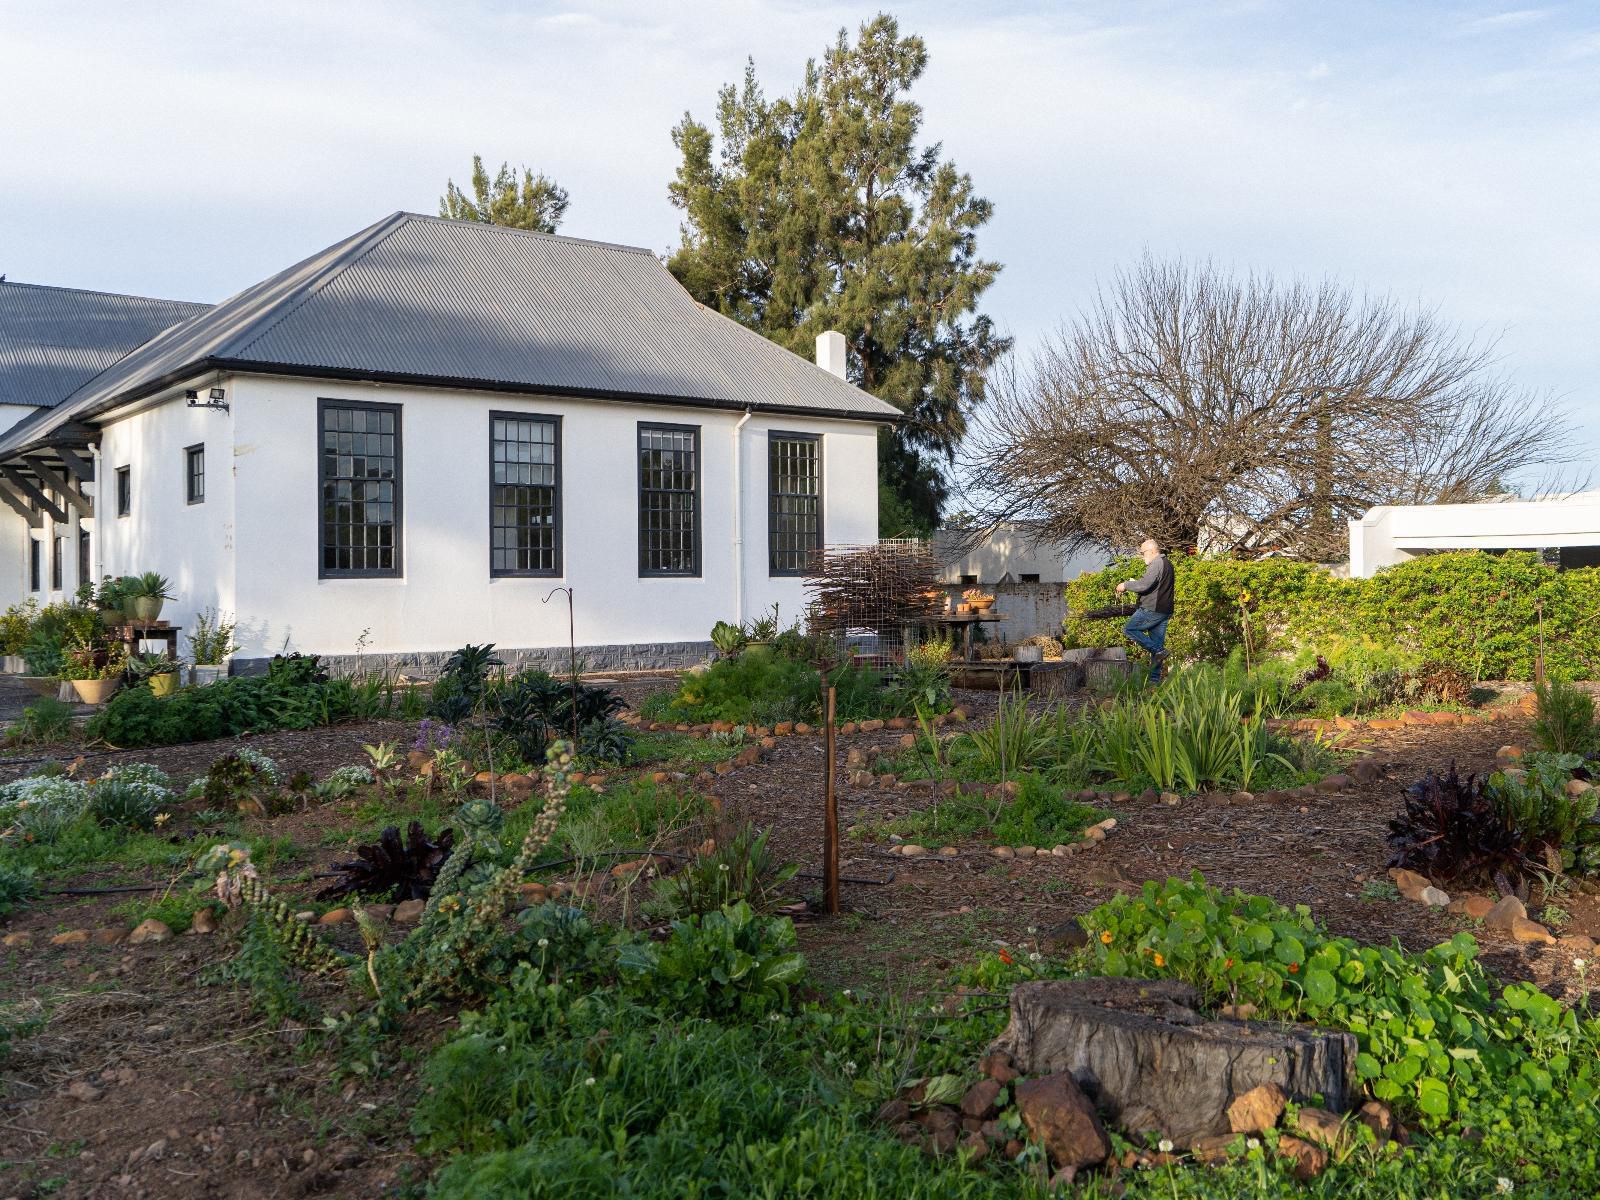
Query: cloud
{"type": "Point", "coordinates": [1517, 18]}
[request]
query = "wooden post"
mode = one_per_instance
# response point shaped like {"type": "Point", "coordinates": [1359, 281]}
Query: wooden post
{"type": "Point", "coordinates": [830, 812]}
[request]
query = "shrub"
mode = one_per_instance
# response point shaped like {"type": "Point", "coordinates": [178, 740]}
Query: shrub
{"type": "Point", "coordinates": [758, 687]}
{"type": "Point", "coordinates": [44, 721]}
{"type": "Point", "coordinates": [1040, 815]}
{"type": "Point", "coordinates": [123, 804]}
{"type": "Point", "coordinates": [17, 886]}
{"type": "Point", "coordinates": [294, 694]}
{"type": "Point", "coordinates": [1564, 717]}
{"type": "Point", "coordinates": [1416, 605]}
{"type": "Point", "coordinates": [1449, 829]}
{"type": "Point", "coordinates": [1536, 805]}
{"type": "Point", "coordinates": [41, 807]}
{"type": "Point", "coordinates": [740, 868]}
{"type": "Point", "coordinates": [460, 688]}
{"type": "Point", "coordinates": [16, 626]}
{"type": "Point", "coordinates": [532, 707]}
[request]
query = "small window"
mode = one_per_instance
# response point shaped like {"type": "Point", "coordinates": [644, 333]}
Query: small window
{"type": "Point", "coordinates": [794, 501]}
{"type": "Point", "coordinates": [124, 491]}
{"type": "Point", "coordinates": [58, 550]}
{"type": "Point", "coordinates": [360, 489]}
{"type": "Point", "coordinates": [969, 579]}
{"type": "Point", "coordinates": [194, 474]}
{"type": "Point", "coordinates": [524, 495]}
{"type": "Point", "coordinates": [1027, 578]}
{"type": "Point", "coordinates": [85, 568]}
{"type": "Point", "coordinates": [669, 499]}
{"type": "Point", "coordinates": [35, 564]}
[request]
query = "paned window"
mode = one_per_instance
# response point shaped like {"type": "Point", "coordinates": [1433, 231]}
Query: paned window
{"type": "Point", "coordinates": [35, 564]}
{"type": "Point", "coordinates": [58, 547]}
{"type": "Point", "coordinates": [360, 479]}
{"type": "Point", "coordinates": [669, 499]}
{"type": "Point", "coordinates": [794, 501]}
{"type": "Point", "coordinates": [85, 569]}
{"type": "Point", "coordinates": [524, 495]}
{"type": "Point", "coordinates": [194, 474]}
{"type": "Point", "coordinates": [124, 491]}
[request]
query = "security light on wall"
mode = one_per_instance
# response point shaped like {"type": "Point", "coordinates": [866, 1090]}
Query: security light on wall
{"type": "Point", "coordinates": [217, 398]}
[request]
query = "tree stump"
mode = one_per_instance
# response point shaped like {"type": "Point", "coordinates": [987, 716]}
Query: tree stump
{"type": "Point", "coordinates": [1055, 678]}
{"type": "Point", "coordinates": [1149, 1061]}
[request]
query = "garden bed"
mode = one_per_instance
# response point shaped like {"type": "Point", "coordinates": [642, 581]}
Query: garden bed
{"type": "Point", "coordinates": [131, 1075]}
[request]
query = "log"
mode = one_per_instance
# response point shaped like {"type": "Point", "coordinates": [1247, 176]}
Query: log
{"type": "Point", "coordinates": [1143, 1054]}
{"type": "Point", "coordinates": [1055, 678]}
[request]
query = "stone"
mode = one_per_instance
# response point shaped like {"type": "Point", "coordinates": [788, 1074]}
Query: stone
{"type": "Point", "coordinates": [783, 728]}
{"type": "Point", "coordinates": [1213, 1148]}
{"type": "Point", "coordinates": [1503, 912]}
{"type": "Point", "coordinates": [1003, 852]}
{"type": "Point", "coordinates": [1306, 1161]}
{"type": "Point", "coordinates": [1242, 798]}
{"type": "Point", "coordinates": [871, 726]}
{"type": "Point", "coordinates": [1509, 754]}
{"type": "Point", "coordinates": [1237, 1012]}
{"type": "Point", "coordinates": [1258, 1109]}
{"type": "Point", "coordinates": [908, 741]}
{"type": "Point", "coordinates": [1323, 1128]}
{"type": "Point", "coordinates": [894, 1112]}
{"type": "Point", "coordinates": [898, 723]}
{"type": "Point", "coordinates": [150, 930]}
{"type": "Point", "coordinates": [1334, 783]}
{"type": "Point", "coordinates": [1524, 930]}
{"type": "Point", "coordinates": [1170, 798]}
{"type": "Point", "coordinates": [204, 922]}
{"type": "Point", "coordinates": [1094, 834]}
{"type": "Point", "coordinates": [1434, 898]}
{"type": "Point", "coordinates": [801, 728]}
{"type": "Point", "coordinates": [1409, 883]}
{"type": "Point", "coordinates": [975, 1146]}
{"type": "Point", "coordinates": [912, 850]}
{"type": "Point", "coordinates": [1578, 787]}
{"type": "Point", "coordinates": [948, 851]}
{"type": "Point", "coordinates": [1477, 907]}
{"type": "Point", "coordinates": [84, 1092]}
{"type": "Point", "coordinates": [1152, 1062]}
{"type": "Point", "coordinates": [1061, 1117]}
{"type": "Point", "coordinates": [1578, 943]}
{"type": "Point", "coordinates": [979, 1102]}
{"type": "Point", "coordinates": [998, 1067]}
{"type": "Point", "coordinates": [72, 937]}
{"type": "Point", "coordinates": [1061, 851]}
{"type": "Point", "coordinates": [108, 937]}
{"type": "Point", "coordinates": [335, 916]}
{"type": "Point", "coordinates": [1378, 1117]}
{"type": "Point", "coordinates": [20, 938]}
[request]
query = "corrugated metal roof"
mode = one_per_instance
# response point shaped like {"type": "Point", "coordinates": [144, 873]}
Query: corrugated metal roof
{"type": "Point", "coordinates": [54, 340]}
{"type": "Point", "coordinates": [461, 304]}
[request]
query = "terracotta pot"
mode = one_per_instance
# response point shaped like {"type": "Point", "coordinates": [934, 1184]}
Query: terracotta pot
{"type": "Point", "coordinates": [982, 606]}
{"type": "Point", "coordinates": [164, 685]}
{"type": "Point", "coordinates": [94, 691]}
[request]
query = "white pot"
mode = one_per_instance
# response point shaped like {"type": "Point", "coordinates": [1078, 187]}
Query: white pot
{"type": "Point", "coordinates": [202, 674]}
{"type": "Point", "coordinates": [1029, 654]}
{"type": "Point", "coordinates": [14, 664]}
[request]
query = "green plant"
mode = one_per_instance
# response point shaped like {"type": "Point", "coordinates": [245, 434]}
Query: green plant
{"type": "Point", "coordinates": [17, 886]}
{"type": "Point", "coordinates": [764, 628]}
{"type": "Point", "coordinates": [460, 688]}
{"type": "Point", "coordinates": [1015, 740]}
{"type": "Point", "coordinates": [212, 640]}
{"type": "Point", "coordinates": [123, 804]}
{"type": "Point", "coordinates": [739, 868]}
{"type": "Point", "coordinates": [757, 687]}
{"type": "Point", "coordinates": [1041, 815]}
{"type": "Point", "coordinates": [149, 585]}
{"type": "Point", "coordinates": [727, 639]}
{"type": "Point", "coordinates": [43, 722]}
{"type": "Point", "coordinates": [1535, 803]}
{"type": "Point", "coordinates": [717, 964]}
{"type": "Point", "coordinates": [1563, 717]}
{"type": "Point", "coordinates": [16, 626]}
{"type": "Point", "coordinates": [145, 666]}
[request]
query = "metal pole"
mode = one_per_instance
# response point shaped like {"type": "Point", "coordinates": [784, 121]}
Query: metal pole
{"type": "Point", "coordinates": [830, 812]}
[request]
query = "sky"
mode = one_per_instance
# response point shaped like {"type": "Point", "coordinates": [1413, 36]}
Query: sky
{"type": "Point", "coordinates": [1447, 154]}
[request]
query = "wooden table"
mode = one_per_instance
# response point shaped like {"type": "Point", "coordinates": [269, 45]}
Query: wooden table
{"type": "Point", "coordinates": [967, 622]}
{"type": "Point", "coordinates": [133, 633]}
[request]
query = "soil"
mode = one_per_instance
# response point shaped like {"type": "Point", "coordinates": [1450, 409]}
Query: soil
{"type": "Point", "coordinates": [132, 1076]}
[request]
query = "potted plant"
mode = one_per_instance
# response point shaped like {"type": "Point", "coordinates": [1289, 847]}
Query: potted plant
{"type": "Point", "coordinates": [91, 680]}
{"type": "Point", "coordinates": [111, 600]}
{"type": "Point", "coordinates": [16, 629]}
{"type": "Point", "coordinates": [145, 593]}
{"type": "Point", "coordinates": [978, 601]}
{"type": "Point", "coordinates": [210, 645]}
{"type": "Point", "coordinates": [158, 670]}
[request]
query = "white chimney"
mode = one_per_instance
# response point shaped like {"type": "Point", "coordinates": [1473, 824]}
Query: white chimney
{"type": "Point", "coordinates": [830, 352]}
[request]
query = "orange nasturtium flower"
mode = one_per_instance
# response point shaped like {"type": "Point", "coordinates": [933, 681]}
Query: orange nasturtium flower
{"type": "Point", "coordinates": [1294, 968]}
{"type": "Point", "coordinates": [1160, 960]}
{"type": "Point", "coordinates": [1105, 936]}
{"type": "Point", "coordinates": [1005, 957]}
{"type": "Point", "coordinates": [1228, 966]}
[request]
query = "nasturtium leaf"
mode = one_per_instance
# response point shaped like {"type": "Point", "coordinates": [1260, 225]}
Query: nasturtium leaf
{"type": "Point", "coordinates": [1320, 987]}
{"type": "Point", "coordinates": [1433, 1097]}
{"type": "Point", "coordinates": [1367, 1066]}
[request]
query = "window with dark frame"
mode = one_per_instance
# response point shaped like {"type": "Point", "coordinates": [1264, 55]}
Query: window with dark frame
{"type": "Point", "coordinates": [85, 567]}
{"type": "Point", "coordinates": [524, 494]}
{"type": "Point", "coordinates": [124, 491]}
{"type": "Point", "coordinates": [58, 551]}
{"type": "Point", "coordinates": [35, 564]}
{"type": "Point", "coordinates": [669, 499]}
{"type": "Point", "coordinates": [1028, 578]}
{"type": "Point", "coordinates": [794, 501]}
{"type": "Point", "coordinates": [360, 489]}
{"type": "Point", "coordinates": [194, 473]}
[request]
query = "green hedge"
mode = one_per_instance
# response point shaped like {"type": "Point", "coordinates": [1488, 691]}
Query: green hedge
{"type": "Point", "coordinates": [1478, 611]}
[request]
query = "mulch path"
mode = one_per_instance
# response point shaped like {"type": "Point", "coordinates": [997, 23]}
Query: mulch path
{"type": "Point", "coordinates": [198, 1098]}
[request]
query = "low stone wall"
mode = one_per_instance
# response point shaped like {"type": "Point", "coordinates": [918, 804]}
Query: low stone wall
{"type": "Point", "coordinates": [427, 664]}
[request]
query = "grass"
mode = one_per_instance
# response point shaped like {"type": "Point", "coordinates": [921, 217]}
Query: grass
{"type": "Point", "coordinates": [174, 909]}
{"type": "Point", "coordinates": [665, 750]}
{"type": "Point", "coordinates": [1039, 815]}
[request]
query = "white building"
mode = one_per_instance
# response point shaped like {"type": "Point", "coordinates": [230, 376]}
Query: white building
{"type": "Point", "coordinates": [1011, 553]}
{"type": "Point", "coordinates": [409, 440]}
{"type": "Point", "coordinates": [1567, 526]}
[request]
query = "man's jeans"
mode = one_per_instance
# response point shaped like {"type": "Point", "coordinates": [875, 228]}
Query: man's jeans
{"type": "Point", "coordinates": [1148, 628]}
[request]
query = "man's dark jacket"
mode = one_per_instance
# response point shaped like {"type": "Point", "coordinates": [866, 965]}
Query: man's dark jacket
{"type": "Point", "coordinates": [1154, 587]}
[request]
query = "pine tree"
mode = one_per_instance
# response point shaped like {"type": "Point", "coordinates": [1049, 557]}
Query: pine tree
{"type": "Point", "coordinates": [820, 211]}
{"type": "Point", "coordinates": [534, 202]}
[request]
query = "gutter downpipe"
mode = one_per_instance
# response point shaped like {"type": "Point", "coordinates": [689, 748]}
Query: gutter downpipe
{"type": "Point", "coordinates": [738, 519]}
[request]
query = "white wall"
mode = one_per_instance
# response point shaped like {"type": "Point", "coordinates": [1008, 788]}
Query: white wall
{"type": "Point", "coordinates": [1012, 551]}
{"type": "Point", "coordinates": [191, 544]}
{"type": "Point", "coordinates": [1392, 534]}
{"type": "Point", "coordinates": [446, 596]}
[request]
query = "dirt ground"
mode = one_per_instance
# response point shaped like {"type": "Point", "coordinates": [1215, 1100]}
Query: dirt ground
{"type": "Point", "coordinates": [133, 1076]}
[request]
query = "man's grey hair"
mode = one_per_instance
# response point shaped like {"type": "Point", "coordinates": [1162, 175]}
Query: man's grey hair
{"type": "Point", "coordinates": [1150, 541]}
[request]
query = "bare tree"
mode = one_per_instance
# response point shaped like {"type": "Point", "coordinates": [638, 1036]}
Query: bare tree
{"type": "Point", "coordinates": [1244, 415]}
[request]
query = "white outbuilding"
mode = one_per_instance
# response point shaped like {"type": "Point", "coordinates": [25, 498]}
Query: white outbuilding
{"type": "Point", "coordinates": [411, 439]}
{"type": "Point", "coordinates": [1565, 527]}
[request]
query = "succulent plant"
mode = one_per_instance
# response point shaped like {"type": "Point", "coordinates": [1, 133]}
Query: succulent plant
{"type": "Point", "coordinates": [391, 869]}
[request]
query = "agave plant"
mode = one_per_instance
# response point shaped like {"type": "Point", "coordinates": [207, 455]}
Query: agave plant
{"type": "Point", "coordinates": [391, 869]}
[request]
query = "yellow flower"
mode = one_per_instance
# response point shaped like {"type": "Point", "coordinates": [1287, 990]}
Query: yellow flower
{"type": "Point", "coordinates": [1105, 936]}
{"type": "Point", "coordinates": [1160, 960]}
{"type": "Point", "coordinates": [162, 819]}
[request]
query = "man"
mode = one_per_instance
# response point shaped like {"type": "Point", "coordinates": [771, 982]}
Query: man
{"type": "Point", "coordinates": [1148, 625]}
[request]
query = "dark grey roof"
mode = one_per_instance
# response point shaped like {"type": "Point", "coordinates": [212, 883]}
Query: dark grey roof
{"type": "Point", "coordinates": [53, 340]}
{"type": "Point", "coordinates": [460, 304]}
